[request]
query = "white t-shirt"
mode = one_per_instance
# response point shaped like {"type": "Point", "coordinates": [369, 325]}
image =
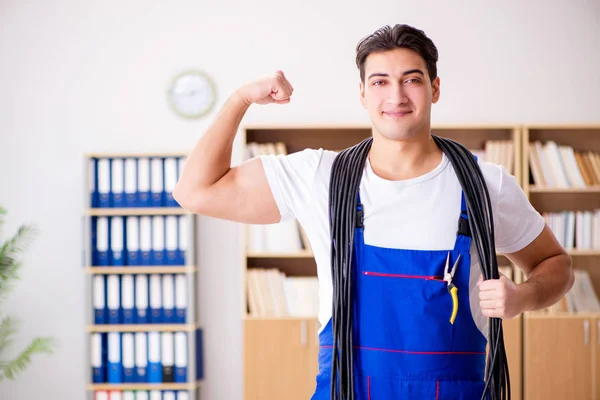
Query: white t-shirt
{"type": "Point", "coordinates": [419, 213]}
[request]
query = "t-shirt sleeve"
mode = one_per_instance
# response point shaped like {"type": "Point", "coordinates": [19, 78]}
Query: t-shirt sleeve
{"type": "Point", "coordinates": [516, 222]}
{"type": "Point", "coordinates": [291, 179]}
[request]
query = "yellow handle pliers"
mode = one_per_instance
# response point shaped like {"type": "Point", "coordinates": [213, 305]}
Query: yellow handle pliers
{"type": "Point", "coordinates": [452, 289]}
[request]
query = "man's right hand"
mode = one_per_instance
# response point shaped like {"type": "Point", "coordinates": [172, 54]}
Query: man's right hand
{"type": "Point", "coordinates": [272, 88]}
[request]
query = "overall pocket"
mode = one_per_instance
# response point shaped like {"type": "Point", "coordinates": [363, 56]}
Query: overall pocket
{"type": "Point", "coordinates": [406, 313]}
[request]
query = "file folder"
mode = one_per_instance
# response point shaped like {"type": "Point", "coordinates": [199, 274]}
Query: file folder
{"type": "Point", "coordinates": [97, 350]}
{"type": "Point", "coordinates": [103, 182]}
{"type": "Point", "coordinates": [127, 298]}
{"type": "Point", "coordinates": [154, 359]}
{"type": "Point", "coordinates": [145, 240]}
{"type": "Point", "coordinates": [115, 395]}
{"type": "Point", "coordinates": [181, 395]}
{"type": "Point", "coordinates": [181, 357]}
{"type": "Point", "coordinates": [156, 312]}
{"type": "Point", "coordinates": [141, 299]}
{"type": "Point", "coordinates": [182, 243]}
{"type": "Point", "coordinates": [117, 183]}
{"type": "Point", "coordinates": [128, 357]}
{"type": "Point", "coordinates": [142, 395]}
{"type": "Point", "coordinates": [155, 395]}
{"type": "Point", "coordinates": [141, 357]}
{"type": "Point", "coordinates": [102, 236]}
{"type": "Point", "coordinates": [115, 367]}
{"type": "Point", "coordinates": [158, 240]}
{"type": "Point", "coordinates": [117, 241]}
{"type": "Point", "coordinates": [171, 240]}
{"type": "Point", "coordinates": [167, 357]}
{"type": "Point", "coordinates": [101, 395]}
{"type": "Point", "coordinates": [143, 182]}
{"type": "Point", "coordinates": [170, 181]}
{"type": "Point", "coordinates": [168, 299]}
{"type": "Point", "coordinates": [157, 186]}
{"type": "Point", "coordinates": [181, 298]}
{"type": "Point", "coordinates": [113, 299]}
{"type": "Point", "coordinates": [128, 395]}
{"type": "Point", "coordinates": [131, 182]}
{"type": "Point", "coordinates": [93, 182]}
{"type": "Point", "coordinates": [169, 395]}
{"type": "Point", "coordinates": [99, 293]}
{"type": "Point", "coordinates": [133, 240]}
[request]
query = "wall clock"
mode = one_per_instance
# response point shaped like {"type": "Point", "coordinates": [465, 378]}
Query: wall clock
{"type": "Point", "coordinates": [192, 94]}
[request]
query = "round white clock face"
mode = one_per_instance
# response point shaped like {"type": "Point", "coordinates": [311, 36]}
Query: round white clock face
{"type": "Point", "coordinates": [192, 94]}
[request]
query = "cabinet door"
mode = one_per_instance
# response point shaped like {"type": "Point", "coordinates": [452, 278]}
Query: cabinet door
{"type": "Point", "coordinates": [558, 358]}
{"type": "Point", "coordinates": [277, 359]}
{"type": "Point", "coordinates": [596, 344]}
{"type": "Point", "coordinates": [513, 343]}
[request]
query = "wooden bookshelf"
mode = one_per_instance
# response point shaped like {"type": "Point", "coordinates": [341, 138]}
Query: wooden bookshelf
{"type": "Point", "coordinates": [132, 247]}
{"type": "Point", "coordinates": [570, 340]}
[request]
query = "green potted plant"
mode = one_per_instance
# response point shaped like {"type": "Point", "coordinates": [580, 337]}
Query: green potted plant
{"type": "Point", "coordinates": [10, 249]}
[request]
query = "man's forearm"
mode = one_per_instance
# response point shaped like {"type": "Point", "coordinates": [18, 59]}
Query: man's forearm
{"type": "Point", "coordinates": [548, 282]}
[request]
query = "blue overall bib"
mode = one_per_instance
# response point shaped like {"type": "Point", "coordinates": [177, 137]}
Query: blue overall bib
{"type": "Point", "coordinates": [405, 345]}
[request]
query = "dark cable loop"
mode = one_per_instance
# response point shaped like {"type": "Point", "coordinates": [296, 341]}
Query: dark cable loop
{"type": "Point", "coordinates": [345, 180]}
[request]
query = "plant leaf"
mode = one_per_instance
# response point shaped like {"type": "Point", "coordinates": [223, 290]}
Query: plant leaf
{"type": "Point", "coordinates": [22, 361]}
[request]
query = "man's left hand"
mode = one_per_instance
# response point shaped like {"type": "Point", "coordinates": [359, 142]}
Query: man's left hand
{"type": "Point", "coordinates": [500, 298]}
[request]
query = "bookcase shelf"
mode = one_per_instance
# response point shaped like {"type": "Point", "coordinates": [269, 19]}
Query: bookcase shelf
{"type": "Point", "coordinates": [303, 254]}
{"type": "Point", "coordinates": [145, 386]}
{"type": "Point", "coordinates": [556, 337]}
{"type": "Point", "coordinates": [158, 269]}
{"type": "Point", "coordinates": [136, 211]}
{"type": "Point", "coordinates": [143, 328]}
{"type": "Point", "coordinates": [129, 280]}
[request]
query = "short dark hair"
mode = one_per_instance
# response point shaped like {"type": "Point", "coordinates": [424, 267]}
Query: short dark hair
{"type": "Point", "coordinates": [398, 37]}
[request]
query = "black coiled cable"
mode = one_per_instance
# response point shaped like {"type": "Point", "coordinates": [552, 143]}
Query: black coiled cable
{"type": "Point", "coordinates": [345, 179]}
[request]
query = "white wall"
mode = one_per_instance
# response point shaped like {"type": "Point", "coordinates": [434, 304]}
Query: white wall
{"type": "Point", "coordinates": [79, 76]}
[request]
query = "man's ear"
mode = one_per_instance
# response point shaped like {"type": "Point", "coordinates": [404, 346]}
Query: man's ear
{"type": "Point", "coordinates": [435, 89]}
{"type": "Point", "coordinates": [362, 95]}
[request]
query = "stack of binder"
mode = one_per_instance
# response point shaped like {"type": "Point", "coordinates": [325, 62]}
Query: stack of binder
{"type": "Point", "coordinates": [121, 182]}
{"type": "Point", "coordinates": [139, 240]}
{"type": "Point", "coordinates": [140, 299]}
{"type": "Point", "coordinates": [142, 324]}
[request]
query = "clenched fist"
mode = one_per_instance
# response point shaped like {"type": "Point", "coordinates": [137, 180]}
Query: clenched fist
{"type": "Point", "coordinates": [500, 298]}
{"type": "Point", "coordinates": [272, 88]}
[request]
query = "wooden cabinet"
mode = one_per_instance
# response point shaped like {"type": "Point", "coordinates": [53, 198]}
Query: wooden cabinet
{"type": "Point", "coordinates": [513, 343]}
{"type": "Point", "coordinates": [559, 357]}
{"type": "Point", "coordinates": [280, 358]}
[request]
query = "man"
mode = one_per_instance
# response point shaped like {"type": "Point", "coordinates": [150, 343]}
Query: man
{"type": "Point", "coordinates": [411, 200]}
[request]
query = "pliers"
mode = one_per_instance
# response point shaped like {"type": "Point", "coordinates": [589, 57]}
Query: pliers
{"type": "Point", "coordinates": [452, 289]}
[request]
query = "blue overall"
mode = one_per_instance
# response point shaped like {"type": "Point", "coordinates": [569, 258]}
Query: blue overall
{"type": "Point", "coordinates": [405, 345]}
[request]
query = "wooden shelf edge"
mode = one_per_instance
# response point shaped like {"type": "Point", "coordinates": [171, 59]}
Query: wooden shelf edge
{"type": "Point", "coordinates": [144, 386]}
{"type": "Point", "coordinates": [100, 212]}
{"type": "Point", "coordinates": [562, 190]}
{"type": "Point", "coordinates": [159, 269]}
{"type": "Point", "coordinates": [132, 155]}
{"type": "Point", "coordinates": [564, 315]}
{"type": "Point", "coordinates": [307, 318]}
{"type": "Point", "coordinates": [143, 328]}
{"type": "Point", "coordinates": [303, 254]}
